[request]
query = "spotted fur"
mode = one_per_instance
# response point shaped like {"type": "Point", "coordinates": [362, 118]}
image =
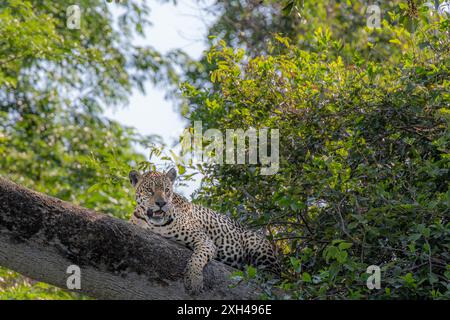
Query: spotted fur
{"type": "Point", "coordinates": [209, 234]}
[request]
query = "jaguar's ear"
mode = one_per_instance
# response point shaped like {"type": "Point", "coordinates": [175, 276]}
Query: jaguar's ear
{"type": "Point", "coordinates": [172, 174]}
{"type": "Point", "coordinates": [134, 177]}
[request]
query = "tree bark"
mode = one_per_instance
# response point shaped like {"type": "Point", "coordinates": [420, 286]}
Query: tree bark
{"type": "Point", "coordinates": [41, 236]}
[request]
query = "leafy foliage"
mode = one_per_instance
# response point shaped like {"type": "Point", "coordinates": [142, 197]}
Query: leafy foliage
{"type": "Point", "coordinates": [54, 84]}
{"type": "Point", "coordinates": [363, 116]}
{"type": "Point", "coordinates": [364, 160]}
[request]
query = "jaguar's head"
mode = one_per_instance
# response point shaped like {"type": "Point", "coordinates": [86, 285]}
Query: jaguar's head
{"type": "Point", "coordinates": [154, 192]}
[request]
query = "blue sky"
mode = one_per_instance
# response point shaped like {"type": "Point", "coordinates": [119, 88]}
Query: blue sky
{"type": "Point", "coordinates": [182, 26]}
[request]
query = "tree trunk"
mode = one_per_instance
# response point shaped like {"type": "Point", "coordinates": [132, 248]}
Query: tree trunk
{"type": "Point", "coordinates": [40, 237]}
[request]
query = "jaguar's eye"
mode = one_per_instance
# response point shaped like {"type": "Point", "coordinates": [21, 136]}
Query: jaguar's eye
{"type": "Point", "coordinates": [150, 192]}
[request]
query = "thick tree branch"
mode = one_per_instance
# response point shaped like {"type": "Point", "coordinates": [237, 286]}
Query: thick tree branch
{"type": "Point", "coordinates": [41, 236]}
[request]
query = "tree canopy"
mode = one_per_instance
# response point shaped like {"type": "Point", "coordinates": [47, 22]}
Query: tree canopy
{"type": "Point", "coordinates": [54, 84]}
{"type": "Point", "coordinates": [363, 119]}
{"type": "Point", "coordinates": [363, 115]}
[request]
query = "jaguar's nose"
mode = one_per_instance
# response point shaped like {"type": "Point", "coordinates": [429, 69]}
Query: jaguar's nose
{"type": "Point", "coordinates": [160, 203]}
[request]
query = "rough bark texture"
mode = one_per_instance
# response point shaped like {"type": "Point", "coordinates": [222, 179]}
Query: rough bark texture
{"type": "Point", "coordinates": [41, 236]}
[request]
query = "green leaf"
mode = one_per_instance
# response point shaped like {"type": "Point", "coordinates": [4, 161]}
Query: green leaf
{"type": "Point", "coordinates": [306, 277]}
{"type": "Point", "coordinates": [345, 245]}
{"type": "Point", "coordinates": [251, 272]}
{"type": "Point", "coordinates": [287, 9]}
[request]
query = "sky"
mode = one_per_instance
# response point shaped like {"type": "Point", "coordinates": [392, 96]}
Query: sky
{"type": "Point", "coordinates": [183, 26]}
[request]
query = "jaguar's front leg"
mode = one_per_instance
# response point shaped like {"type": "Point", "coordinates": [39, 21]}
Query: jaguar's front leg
{"type": "Point", "coordinates": [204, 251]}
